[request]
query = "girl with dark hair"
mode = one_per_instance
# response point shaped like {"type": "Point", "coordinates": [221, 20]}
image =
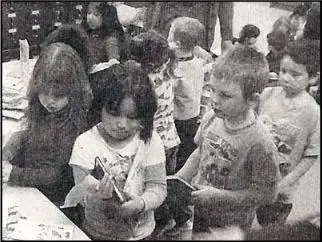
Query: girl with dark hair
{"type": "Point", "coordinates": [152, 51]}
{"type": "Point", "coordinates": [59, 97]}
{"type": "Point", "coordinates": [104, 30]}
{"type": "Point", "coordinates": [132, 157]}
{"type": "Point", "coordinates": [248, 35]}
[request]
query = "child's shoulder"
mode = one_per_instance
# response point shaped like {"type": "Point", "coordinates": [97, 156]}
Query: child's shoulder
{"type": "Point", "coordinates": [89, 135]}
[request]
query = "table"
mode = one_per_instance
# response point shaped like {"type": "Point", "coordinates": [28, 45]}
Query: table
{"type": "Point", "coordinates": [37, 208]}
{"type": "Point", "coordinates": [13, 88]}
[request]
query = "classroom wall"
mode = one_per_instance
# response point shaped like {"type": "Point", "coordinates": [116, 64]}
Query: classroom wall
{"type": "Point", "coordinates": [33, 21]}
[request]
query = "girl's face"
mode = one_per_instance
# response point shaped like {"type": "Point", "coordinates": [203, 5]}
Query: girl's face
{"type": "Point", "coordinates": [124, 124]}
{"type": "Point", "coordinates": [53, 102]}
{"type": "Point", "coordinates": [94, 18]}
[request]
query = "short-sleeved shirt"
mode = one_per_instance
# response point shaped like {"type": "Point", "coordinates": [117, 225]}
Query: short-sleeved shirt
{"type": "Point", "coordinates": [235, 159]}
{"type": "Point", "coordinates": [294, 124]}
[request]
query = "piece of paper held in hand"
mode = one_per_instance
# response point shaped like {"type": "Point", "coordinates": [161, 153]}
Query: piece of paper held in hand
{"type": "Point", "coordinates": [117, 191]}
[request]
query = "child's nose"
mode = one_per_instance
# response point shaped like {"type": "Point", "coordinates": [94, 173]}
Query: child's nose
{"type": "Point", "coordinates": [121, 124]}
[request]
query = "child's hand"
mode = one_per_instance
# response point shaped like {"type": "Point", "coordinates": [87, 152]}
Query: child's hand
{"type": "Point", "coordinates": [204, 195]}
{"type": "Point", "coordinates": [104, 187]}
{"type": "Point", "coordinates": [133, 206]}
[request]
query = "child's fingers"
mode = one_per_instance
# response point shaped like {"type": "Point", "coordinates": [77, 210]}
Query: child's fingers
{"type": "Point", "coordinates": [200, 187]}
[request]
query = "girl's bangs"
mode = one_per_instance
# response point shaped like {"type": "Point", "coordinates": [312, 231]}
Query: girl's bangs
{"type": "Point", "coordinates": [58, 82]}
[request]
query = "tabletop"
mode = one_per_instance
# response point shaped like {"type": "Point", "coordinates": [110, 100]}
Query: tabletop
{"type": "Point", "coordinates": [37, 213]}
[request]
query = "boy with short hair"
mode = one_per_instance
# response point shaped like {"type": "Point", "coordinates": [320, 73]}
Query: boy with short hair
{"type": "Point", "coordinates": [234, 166]}
{"type": "Point", "coordinates": [184, 36]}
{"type": "Point", "coordinates": [293, 118]}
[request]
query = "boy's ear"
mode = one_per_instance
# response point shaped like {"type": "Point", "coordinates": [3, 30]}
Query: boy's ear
{"type": "Point", "coordinates": [254, 100]}
{"type": "Point", "coordinates": [175, 44]}
{"type": "Point", "coordinates": [314, 79]}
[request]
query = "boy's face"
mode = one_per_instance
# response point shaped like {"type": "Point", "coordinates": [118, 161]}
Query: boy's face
{"type": "Point", "coordinates": [123, 125]}
{"type": "Point", "coordinates": [94, 18]}
{"type": "Point", "coordinates": [53, 102]}
{"type": "Point", "coordinates": [293, 76]}
{"type": "Point", "coordinates": [227, 99]}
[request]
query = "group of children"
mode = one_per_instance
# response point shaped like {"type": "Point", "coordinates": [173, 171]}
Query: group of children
{"type": "Point", "coordinates": [107, 139]}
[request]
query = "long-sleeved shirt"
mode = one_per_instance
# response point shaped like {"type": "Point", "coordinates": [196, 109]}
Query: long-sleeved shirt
{"type": "Point", "coordinates": [138, 168]}
{"type": "Point", "coordinates": [42, 156]}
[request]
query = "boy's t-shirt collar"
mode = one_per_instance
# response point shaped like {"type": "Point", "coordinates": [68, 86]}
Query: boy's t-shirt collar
{"type": "Point", "coordinates": [186, 58]}
{"type": "Point", "coordinates": [250, 120]}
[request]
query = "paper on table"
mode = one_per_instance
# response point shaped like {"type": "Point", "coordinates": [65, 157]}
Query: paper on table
{"type": "Point", "coordinates": [27, 230]}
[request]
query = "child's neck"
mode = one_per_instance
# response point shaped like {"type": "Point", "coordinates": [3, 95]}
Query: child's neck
{"type": "Point", "coordinates": [183, 54]}
{"type": "Point", "coordinates": [293, 94]}
{"type": "Point", "coordinates": [243, 120]}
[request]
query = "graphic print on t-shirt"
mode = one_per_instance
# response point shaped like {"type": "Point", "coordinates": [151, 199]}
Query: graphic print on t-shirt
{"type": "Point", "coordinates": [217, 161]}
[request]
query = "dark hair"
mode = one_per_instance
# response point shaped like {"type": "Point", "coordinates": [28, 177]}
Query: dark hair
{"type": "Point", "coordinates": [305, 52]}
{"type": "Point", "coordinates": [128, 80]}
{"type": "Point", "coordinates": [312, 27]}
{"type": "Point", "coordinates": [110, 22]}
{"type": "Point", "coordinates": [301, 10]}
{"type": "Point", "coordinates": [277, 39]}
{"type": "Point", "coordinates": [247, 32]}
{"type": "Point", "coordinates": [150, 49]}
{"type": "Point", "coordinates": [59, 67]}
{"type": "Point", "coordinates": [73, 36]}
{"type": "Point", "coordinates": [243, 65]}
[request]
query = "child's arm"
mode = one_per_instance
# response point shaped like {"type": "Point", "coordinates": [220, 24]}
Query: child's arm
{"type": "Point", "coordinates": [111, 47]}
{"type": "Point", "coordinates": [205, 102]}
{"type": "Point", "coordinates": [190, 168]}
{"type": "Point", "coordinates": [311, 152]}
{"type": "Point", "coordinates": [304, 165]}
{"type": "Point", "coordinates": [48, 175]}
{"type": "Point", "coordinates": [264, 174]}
{"type": "Point", "coordinates": [13, 145]}
{"type": "Point", "coordinates": [156, 187]}
{"type": "Point", "coordinates": [155, 181]}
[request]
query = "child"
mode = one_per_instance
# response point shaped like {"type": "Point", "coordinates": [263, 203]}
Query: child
{"type": "Point", "coordinates": [132, 153]}
{"type": "Point", "coordinates": [234, 166]}
{"type": "Point", "coordinates": [248, 35]}
{"type": "Point", "coordinates": [59, 97]}
{"type": "Point", "coordinates": [293, 118]}
{"type": "Point", "coordinates": [74, 36]}
{"type": "Point", "coordinates": [298, 20]}
{"type": "Point", "coordinates": [105, 32]}
{"type": "Point", "coordinates": [277, 41]}
{"type": "Point", "coordinates": [152, 51]}
{"type": "Point", "coordinates": [183, 38]}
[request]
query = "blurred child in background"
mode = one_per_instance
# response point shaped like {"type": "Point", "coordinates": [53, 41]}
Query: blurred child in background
{"type": "Point", "coordinates": [248, 35]}
{"type": "Point", "coordinates": [183, 38]}
{"type": "Point", "coordinates": [105, 32]}
{"type": "Point", "coordinates": [151, 50]}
